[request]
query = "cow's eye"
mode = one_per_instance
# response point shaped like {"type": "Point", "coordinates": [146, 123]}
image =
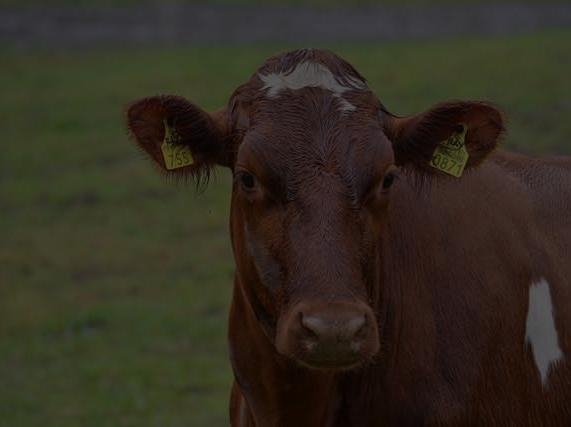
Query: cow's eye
{"type": "Point", "coordinates": [248, 181]}
{"type": "Point", "coordinates": [388, 180]}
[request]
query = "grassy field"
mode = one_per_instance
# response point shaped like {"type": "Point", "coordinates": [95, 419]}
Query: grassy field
{"type": "Point", "coordinates": [114, 285]}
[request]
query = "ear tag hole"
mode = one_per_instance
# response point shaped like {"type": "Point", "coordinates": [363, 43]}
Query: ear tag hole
{"type": "Point", "coordinates": [451, 156]}
{"type": "Point", "coordinates": [175, 156]}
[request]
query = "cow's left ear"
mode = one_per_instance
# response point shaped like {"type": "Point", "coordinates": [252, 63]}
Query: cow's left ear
{"type": "Point", "coordinates": [417, 140]}
{"type": "Point", "coordinates": [181, 138]}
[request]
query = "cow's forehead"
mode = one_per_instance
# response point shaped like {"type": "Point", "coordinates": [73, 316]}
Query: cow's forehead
{"type": "Point", "coordinates": [290, 73]}
{"type": "Point", "coordinates": [312, 74]}
{"type": "Point", "coordinates": [311, 68]}
{"type": "Point", "coordinates": [313, 106]}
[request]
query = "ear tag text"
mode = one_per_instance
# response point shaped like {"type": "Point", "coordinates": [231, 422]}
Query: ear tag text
{"type": "Point", "coordinates": [175, 156]}
{"type": "Point", "coordinates": [451, 156]}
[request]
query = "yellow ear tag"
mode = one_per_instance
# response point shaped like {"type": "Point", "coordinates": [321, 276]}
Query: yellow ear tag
{"type": "Point", "coordinates": [451, 156]}
{"type": "Point", "coordinates": [175, 156]}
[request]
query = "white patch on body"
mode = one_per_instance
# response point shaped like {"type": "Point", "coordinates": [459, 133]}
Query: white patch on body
{"type": "Point", "coordinates": [540, 329]}
{"type": "Point", "coordinates": [312, 74]}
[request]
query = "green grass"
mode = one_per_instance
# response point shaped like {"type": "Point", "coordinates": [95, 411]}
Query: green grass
{"type": "Point", "coordinates": [114, 285]}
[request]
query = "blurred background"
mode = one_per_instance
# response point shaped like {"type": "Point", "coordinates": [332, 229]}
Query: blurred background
{"type": "Point", "coordinates": [115, 284]}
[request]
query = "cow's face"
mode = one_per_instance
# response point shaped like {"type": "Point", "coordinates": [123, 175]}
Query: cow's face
{"type": "Point", "coordinates": [315, 159]}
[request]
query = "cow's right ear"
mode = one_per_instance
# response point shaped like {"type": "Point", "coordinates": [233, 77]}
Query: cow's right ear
{"type": "Point", "coordinates": [181, 138]}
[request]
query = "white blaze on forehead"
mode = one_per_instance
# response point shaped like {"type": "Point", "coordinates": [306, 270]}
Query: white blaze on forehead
{"type": "Point", "coordinates": [312, 74]}
{"type": "Point", "coordinates": [541, 332]}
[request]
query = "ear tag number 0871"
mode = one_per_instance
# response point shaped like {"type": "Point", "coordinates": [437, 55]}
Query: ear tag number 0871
{"type": "Point", "coordinates": [451, 156]}
{"type": "Point", "coordinates": [175, 156]}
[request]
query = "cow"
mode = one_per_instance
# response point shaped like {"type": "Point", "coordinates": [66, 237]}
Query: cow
{"type": "Point", "coordinates": [390, 270]}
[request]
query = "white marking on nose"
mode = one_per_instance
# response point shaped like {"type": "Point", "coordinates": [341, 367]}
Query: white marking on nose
{"type": "Point", "coordinates": [312, 74]}
{"type": "Point", "coordinates": [540, 329]}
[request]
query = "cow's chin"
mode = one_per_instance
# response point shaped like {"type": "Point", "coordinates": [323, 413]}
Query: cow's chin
{"type": "Point", "coordinates": [345, 360]}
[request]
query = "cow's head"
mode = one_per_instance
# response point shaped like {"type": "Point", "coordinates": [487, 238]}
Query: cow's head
{"type": "Point", "coordinates": [315, 159]}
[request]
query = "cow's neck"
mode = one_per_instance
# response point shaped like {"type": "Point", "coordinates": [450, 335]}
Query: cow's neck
{"type": "Point", "coordinates": [439, 290]}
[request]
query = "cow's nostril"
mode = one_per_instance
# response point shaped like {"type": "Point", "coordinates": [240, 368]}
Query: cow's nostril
{"type": "Point", "coordinates": [310, 328]}
{"type": "Point", "coordinates": [315, 325]}
{"type": "Point", "coordinates": [334, 329]}
{"type": "Point", "coordinates": [356, 325]}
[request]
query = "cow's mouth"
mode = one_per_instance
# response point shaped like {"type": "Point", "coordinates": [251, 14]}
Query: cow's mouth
{"type": "Point", "coordinates": [347, 364]}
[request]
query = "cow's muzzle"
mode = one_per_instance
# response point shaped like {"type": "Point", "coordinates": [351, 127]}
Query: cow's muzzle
{"type": "Point", "coordinates": [336, 336]}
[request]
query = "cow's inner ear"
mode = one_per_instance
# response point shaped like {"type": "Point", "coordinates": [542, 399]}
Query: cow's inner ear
{"type": "Point", "coordinates": [181, 138]}
{"type": "Point", "coordinates": [449, 133]}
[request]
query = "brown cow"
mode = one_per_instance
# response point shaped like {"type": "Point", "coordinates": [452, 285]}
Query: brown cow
{"type": "Point", "coordinates": [373, 288]}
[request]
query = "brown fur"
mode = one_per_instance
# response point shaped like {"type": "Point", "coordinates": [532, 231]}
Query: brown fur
{"type": "Point", "coordinates": [439, 268]}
